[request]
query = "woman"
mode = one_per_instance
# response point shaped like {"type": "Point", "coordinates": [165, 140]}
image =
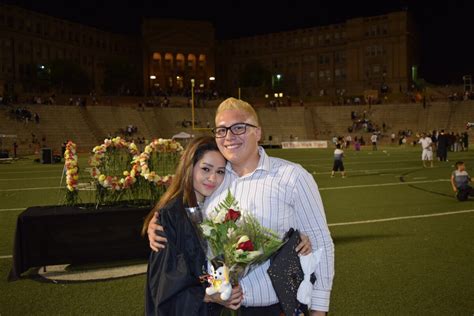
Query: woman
{"type": "Point", "coordinates": [173, 283]}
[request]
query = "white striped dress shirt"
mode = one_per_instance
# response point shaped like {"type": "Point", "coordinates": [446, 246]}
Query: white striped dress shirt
{"type": "Point", "coordinates": [281, 195]}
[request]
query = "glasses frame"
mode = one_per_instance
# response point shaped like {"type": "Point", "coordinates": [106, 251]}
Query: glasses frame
{"type": "Point", "coordinates": [230, 129]}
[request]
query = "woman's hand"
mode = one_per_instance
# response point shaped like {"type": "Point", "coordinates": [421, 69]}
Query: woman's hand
{"type": "Point", "coordinates": [233, 302]}
{"type": "Point", "coordinates": [304, 247]}
{"type": "Point", "coordinates": [157, 242]}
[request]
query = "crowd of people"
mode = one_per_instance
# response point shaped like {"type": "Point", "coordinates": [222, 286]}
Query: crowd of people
{"type": "Point", "coordinates": [23, 114]}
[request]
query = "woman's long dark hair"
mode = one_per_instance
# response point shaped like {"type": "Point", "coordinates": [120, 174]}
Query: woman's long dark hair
{"type": "Point", "coordinates": [182, 183]}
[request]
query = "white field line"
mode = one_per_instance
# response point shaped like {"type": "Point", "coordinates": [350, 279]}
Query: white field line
{"type": "Point", "coordinates": [32, 171]}
{"type": "Point", "coordinates": [390, 219]}
{"type": "Point", "coordinates": [326, 172]}
{"type": "Point", "coordinates": [320, 189]}
{"type": "Point", "coordinates": [12, 209]}
{"type": "Point", "coordinates": [27, 179]}
{"type": "Point", "coordinates": [381, 184]}
{"type": "Point", "coordinates": [372, 170]}
{"type": "Point", "coordinates": [349, 162]}
{"type": "Point", "coordinates": [30, 189]}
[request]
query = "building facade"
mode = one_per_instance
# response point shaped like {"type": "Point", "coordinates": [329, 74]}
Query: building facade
{"type": "Point", "coordinates": [347, 58]}
{"type": "Point", "coordinates": [176, 51]}
{"type": "Point", "coordinates": [30, 40]}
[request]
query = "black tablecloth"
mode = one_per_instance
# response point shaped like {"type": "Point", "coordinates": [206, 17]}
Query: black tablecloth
{"type": "Point", "coordinates": [51, 235]}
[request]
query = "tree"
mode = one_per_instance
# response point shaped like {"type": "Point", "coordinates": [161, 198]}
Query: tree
{"type": "Point", "coordinates": [122, 77]}
{"type": "Point", "coordinates": [67, 76]}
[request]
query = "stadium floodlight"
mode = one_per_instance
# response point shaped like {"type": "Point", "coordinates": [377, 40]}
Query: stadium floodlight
{"type": "Point", "coordinates": [280, 94]}
{"type": "Point", "coordinates": [276, 95]}
{"type": "Point", "coordinates": [152, 77]}
{"type": "Point", "coordinates": [212, 78]}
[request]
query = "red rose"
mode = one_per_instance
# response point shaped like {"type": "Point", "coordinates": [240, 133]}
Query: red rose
{"type": "Point", "coordinates": [245, 246]}
{"type": "Point", "coordinates": [231, 215]}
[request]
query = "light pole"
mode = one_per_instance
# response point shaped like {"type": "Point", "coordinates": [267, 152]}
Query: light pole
{"type": "Point", "coordinates": [152, 77]}
{"type": "Point", "coordinates": [192, 103]}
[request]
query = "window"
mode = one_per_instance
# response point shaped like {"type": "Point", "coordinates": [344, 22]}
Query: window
{"type": "Point", "coordinates": [373, 51]}
{"type": "Point", "coordinates": [10, 21]}
{"type": "Point", "coordinates": [379, 50]}
{"type": "Point", "coordinates": [328, 75]}
{"type": "Point", "coordinates": [328, 39]}
{"type": "Point", "coordinates": [376, 69]}
{"type": "Point", "coordinates": [21, 24]}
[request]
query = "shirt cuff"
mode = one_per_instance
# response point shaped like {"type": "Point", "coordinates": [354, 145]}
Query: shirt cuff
{"type": "Point", "coordinates": [320, 300]}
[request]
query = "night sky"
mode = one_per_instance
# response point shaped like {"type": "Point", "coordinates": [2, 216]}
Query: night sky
{"type": "Point", "coordinates": [446, 28]}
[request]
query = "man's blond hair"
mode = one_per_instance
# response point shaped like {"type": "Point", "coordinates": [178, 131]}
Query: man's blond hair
{"type": "Point", "coordinates": [236, 104]}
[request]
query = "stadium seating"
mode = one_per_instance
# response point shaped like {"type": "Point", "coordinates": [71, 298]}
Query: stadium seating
{"type": "Point", "coordinates": [88, 126]}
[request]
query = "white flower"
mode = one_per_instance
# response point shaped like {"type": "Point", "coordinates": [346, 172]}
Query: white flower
{"type": "Point", "coordinates": [242, 239]}
{"type": "Point", "coordinates": [206, 230]}
{"type": "Point", "coordinates": [230, 232]}
{"type": "Point", "coordinates": [254, 254]}
{"type": "Point", "coordinates": [220, 217]}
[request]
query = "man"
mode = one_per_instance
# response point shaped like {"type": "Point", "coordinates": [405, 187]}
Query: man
{"type": "Point", "coordinates": [338, 164]}
{"type": "Point", "coordinates": [443, 143]}
{"type": "Point", "coordinates": [373, 139]}
{"type": "Point", "coordinates": [427, 153]}
{"type": "Point", "coordinates": [460, 180]}
{"type": "Point", "coordinates": [280, 194]}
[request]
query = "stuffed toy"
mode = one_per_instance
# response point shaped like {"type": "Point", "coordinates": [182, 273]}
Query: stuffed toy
{"type": "Point", "coordinates": [219, 280]}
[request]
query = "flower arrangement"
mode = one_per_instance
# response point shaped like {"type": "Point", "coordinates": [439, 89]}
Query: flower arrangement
{"type": "Point", "coordinates": [113, 182]}
{"type": "Point", "coordinates": [162, 146]}
{"type": "Point", "coordinates": [72, 173]}
{"type": "Point", "coordinates": [122, 173]}
{"type": "Point", "coordinates": [155, 164]}
{"type": "Point", "coordinates": [237, 240]}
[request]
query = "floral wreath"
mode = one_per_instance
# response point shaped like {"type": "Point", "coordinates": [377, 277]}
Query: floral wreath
{"type": "Point", "coordinates": [161, 146]}
{"type": "Point", "coordinates": [113, 182]}
{"type": "Point", "coordinates": [72, 173]}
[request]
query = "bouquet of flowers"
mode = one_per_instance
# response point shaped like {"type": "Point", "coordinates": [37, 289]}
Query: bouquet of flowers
{"type": "Point", "coordinates": [236, 242]}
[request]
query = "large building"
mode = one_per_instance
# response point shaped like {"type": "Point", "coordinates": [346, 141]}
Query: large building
{"type": "Point", "coordinates": [176, 51]}
{"type": "Point", "coordinates": [351, 57]}
{"type": "Point", "coordinates": [30, 40]}
{"type": "Point", "coordinates": [347, 58]}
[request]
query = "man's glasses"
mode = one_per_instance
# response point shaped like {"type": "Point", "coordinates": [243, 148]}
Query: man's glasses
{"type": "Point", "coordinates": [236, 129]}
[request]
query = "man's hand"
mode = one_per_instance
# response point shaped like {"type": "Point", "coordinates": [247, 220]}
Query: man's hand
{"type": "Point", "coordinates": [156, 242]}
{"type": "Point", "coordinates": [304, 247]}
{"type": "Point", "coordinates": [318, 313]}
{"type": "Point", "coordinates": [455, 189]}
{"type": "Point", "coordinates": [233, 302]}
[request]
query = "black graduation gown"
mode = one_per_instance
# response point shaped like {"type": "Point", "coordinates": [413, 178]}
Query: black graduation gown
{"type": "Point", "coordinates": [173, 287]}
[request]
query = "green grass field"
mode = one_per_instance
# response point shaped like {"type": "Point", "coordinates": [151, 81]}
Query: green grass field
{"type": "Point", "coordinates": [406, 265]}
